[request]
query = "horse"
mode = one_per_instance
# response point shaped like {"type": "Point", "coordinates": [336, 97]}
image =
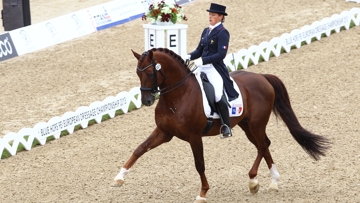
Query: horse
{"type": "Point", "coordinates": [165, 74]}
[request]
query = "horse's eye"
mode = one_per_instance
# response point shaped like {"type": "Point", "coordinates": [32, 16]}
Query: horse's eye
{"type": "Point", "coordinates": [150, 75]}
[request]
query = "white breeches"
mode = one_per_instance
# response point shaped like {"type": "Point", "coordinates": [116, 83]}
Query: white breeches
{"type": "Point", "coordinates": [214, 78]}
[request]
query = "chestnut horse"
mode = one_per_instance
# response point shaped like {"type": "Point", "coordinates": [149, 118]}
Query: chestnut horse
{"type": "Point", "coordinates": [180, 113]}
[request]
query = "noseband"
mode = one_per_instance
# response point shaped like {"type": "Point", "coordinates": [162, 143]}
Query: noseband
{"type": "Point", "coordinates": [155, 88]}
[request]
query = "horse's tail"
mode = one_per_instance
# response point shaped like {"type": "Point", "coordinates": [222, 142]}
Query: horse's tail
{"type": "Point", "coordinates": [314, 145]}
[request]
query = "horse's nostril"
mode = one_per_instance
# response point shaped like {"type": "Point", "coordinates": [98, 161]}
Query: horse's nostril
{"type": "Point", "coordinates": [148, 103]}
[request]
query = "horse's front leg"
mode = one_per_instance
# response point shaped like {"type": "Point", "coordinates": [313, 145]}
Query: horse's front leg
{"type": "Point", "coordinates": [198, 152]}
{"type": "Point", "coordinates": [156, 138]}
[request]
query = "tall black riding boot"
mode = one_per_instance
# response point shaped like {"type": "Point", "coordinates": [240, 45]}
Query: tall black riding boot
{"type": "Point", "coordinates": [223, 111]}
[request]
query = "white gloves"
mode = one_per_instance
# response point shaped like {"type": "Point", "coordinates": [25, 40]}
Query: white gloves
{"type": "Point", "coordinates": [198, 62]}
{"type": "Point", "coordinates": [187, 57]}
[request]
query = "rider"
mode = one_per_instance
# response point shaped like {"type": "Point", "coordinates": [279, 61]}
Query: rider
{"type": "Point", "coordinates": [209, 56]}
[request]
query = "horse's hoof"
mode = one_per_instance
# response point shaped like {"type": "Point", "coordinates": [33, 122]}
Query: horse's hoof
{"type": "Point", "coordinates": [255, 189]}
{"type": "Point", "coordinates": [200, 199]}
{"type": "Point", "coordinates": [118, 183]}
{"type": "Point", "coordinates": [254, 186]}
{"type": "Point", "coordinates": [273, 187]}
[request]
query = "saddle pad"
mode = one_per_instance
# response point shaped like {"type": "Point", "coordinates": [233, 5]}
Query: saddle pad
{"type": "Point", "coordinates": [236, 105]}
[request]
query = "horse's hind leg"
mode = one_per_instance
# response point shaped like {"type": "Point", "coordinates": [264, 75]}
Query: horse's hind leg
{"type": "Point", "coordinates": [262, 143]}
{"type": "Point", "coordinates": [156, 138]}
{"type": "Point", "coordinates": [253, 183]}
{"type": "Point", "coordinates": [275, 176]}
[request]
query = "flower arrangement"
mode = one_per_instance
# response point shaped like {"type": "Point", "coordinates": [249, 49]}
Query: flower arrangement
{"type": "Point", "coordinates": [164, 11]}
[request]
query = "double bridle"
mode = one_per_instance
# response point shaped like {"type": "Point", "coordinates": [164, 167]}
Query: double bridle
{"type": "Point", "coordinates": [155, 88]}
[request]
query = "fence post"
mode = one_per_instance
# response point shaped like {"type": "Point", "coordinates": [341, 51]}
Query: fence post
{"type": "Point", "coordinates": [172, 37]}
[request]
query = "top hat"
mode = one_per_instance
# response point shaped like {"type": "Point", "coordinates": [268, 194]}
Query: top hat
{"type": "Point", "coordinates": [217, 8]}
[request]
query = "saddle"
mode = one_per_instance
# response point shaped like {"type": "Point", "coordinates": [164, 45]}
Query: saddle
{"type": "Point", "coordinates": [208, 93]}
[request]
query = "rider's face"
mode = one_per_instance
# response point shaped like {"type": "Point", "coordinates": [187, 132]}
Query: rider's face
{"type": "Point", "coordinates": [214, 18]}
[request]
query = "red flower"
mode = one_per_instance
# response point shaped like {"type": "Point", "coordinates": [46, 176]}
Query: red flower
{"type": "Point", "coordinates": [173, 10]}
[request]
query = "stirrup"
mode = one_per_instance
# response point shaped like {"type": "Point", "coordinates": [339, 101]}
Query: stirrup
{"type": "Point", "coordinates": [222, 136]}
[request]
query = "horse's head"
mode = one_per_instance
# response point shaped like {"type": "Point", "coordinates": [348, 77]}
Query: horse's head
{"type": "Point", "coordinates": [147, 70]}
{"type": "Point", "coordinates": [159, 68]}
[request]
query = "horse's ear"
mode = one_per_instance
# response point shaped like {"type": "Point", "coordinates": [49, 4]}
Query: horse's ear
{"type": "Point", "coordinates": [136, 54]}
{"type": "Point", "coordinates": [150, 54]}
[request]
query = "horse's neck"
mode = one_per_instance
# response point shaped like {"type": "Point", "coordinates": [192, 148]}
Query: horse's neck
{"type": "Point", "coordinates": [179, 82]}
{"type": "Point", "coordinates": [174, 74]}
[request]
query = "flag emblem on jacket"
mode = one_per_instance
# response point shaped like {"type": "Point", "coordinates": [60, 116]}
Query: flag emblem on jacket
{"type": "Point", "coordinates": [224, 47]}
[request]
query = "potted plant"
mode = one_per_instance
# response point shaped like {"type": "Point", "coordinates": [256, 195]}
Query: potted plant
{"type": "Point", "coordinates": [164, 12]}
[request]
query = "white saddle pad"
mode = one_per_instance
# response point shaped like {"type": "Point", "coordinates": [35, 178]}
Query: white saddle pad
{"type": "Point", "coordinates": [236, 108]}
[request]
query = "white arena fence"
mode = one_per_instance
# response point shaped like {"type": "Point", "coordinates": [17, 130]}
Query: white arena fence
{"type": "Point", "coordinates": [83, 115]}
{"type": "Point", "coordinates": [295, 38]}
{"type": "Point", "coordinates": [67, 122]}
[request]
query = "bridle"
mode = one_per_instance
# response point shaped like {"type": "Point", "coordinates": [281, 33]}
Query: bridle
{"type": "Point", "coordinates": [155, 88]}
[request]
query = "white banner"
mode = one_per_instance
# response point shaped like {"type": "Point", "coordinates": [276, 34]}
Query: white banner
{"type": "Point", "coordinates": [54, 31]}
{"type": "Point", "coordinates": [115, 12]}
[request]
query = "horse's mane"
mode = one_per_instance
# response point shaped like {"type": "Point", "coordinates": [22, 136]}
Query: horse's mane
{"type": "Point", "coordinates": [173, 55]}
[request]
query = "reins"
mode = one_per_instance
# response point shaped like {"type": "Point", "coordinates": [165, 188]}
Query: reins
{"type": "Point", "coordinates": [178, 84]}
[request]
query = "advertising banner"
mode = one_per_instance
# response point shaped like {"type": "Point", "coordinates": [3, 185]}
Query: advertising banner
{"type": "Point", "coordinates": [32, 38]}
{"type": "Point", "coordinates": [115, 13]}
{"type": "Point", "coordinates": [64, 28]}
{"type": "Point", "coordinates": [78, 23]}
{"type": "Point", "coordinates": [182, 2]}
{"type": "Point", "coordinates": [54, 31]}
{"type": "Point", "coordinates": [7, 48]}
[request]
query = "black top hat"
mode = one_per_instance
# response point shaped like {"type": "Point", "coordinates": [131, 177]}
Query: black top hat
{"type": "Point", "coordinates": [217, 8]}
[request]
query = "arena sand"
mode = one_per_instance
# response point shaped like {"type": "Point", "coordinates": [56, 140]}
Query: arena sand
{"type": "Point", "coordinates": [322, 79]}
